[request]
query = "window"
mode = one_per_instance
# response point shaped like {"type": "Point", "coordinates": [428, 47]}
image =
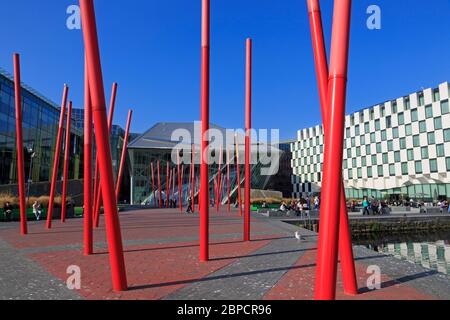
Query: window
{"type": "Point", "coordinates": [410, 153]}
{"type": "Point", "coordinates": [372, 137]}
{"type": "Point", "coordinates": [405, 168]}
{"type": "Point", "coordinates": [352, 120]}
{"type": "Point", "coordinates": [408, 129]}
{"type": "Point", "coordinates": [383, 110]}
{"type": "Point", "coordinates": [390, 144]}
{"type": "Point", "coordinates": [401, 118]}
{"type": "Point", "coordinates": [429, 112]}
{"type": "Point", "coordinates": [447, 161]}
{"type": "Point", "coordinates": [383, 135]}
{"type": "Point", "coordinates": [403, 143]}
{"type": "Point", "coordinates": [366, 127]}
{"type": "Point", "coordinates": [395, 133]}
{"type": "Point", "coordinates": [388, 122]}
{"type": "Point", "coordinates": [357, 130]}
{"type": "Point", "coordinates": [418, 165]}
{"type": "Point", "coordinates": [380, 171]}
{"type": "Point", "coordinates": [359, 173]}
{"type": "Point", "coordinates": [431, 138]}
{"type": "Point", "coordinates": [354, 163]}
{"type": "Point", "coordinates": [392, 170]}
{"type": "Point", "coordinates": [440, 151]}
{"type": "Point", "coordinates": [379, 148]}
{"type": "Point", "coordinates": [397, 157]}
{"type": "Point", "coordinates": [362, 140]}
{"type": "Point", "coordinates": [350, 174]}
{"type": "Point", "coordinates": [424, 152]}
{"type": "Point", "coordinates": [444, 107]}
{"type": "Point", "coordinates": [349, 153]}
{"type": "Point", "coordinates": [422, 126]}
{"type": "Point", "coordinates": [421, 99]}
{"type": "Point", "coordinates": [368, 149]}
{"type": "Point", "coordinates": [437, 123]}
{"type": "Point", "coordinates": [374, 160]}
{"type": "Point", "coordinates": [414, 115]}
{"type": "Point", "coordinates": [358, 151]}
{"type": "Point", "coordinates": [348, 132]}
{"type": "Point", "coordinates": [370, 173]}
{"type": "Point", "coordinates": [416, 141]}
{"type": "Point", "coordinates": [385, 158]}
{"type": "Point", "coordinates": [436, 95]}
{"type": "Point", "coordinates": [407, 103]}
{"type": "Point", "coordinates": [433, 166]}
{"type": "Point", "coordinates": [394, 107]}
{"type": "Point", "coordinates": [345, 164]}
{"type": "Point", "coordinates": [364, 162]}
{"type": "Point", "coordinates": [353, 142]}
{"type": "Point", "coordinates": [447, 135]}
{"type": "Point", "coordinates": [377, 125]}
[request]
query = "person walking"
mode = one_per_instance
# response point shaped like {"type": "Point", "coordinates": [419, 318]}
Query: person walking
{"type": "Point", "coordinates": [189, 208]}
{"type": "Point", "coordinates": [37, 210]}
{"type": "Point", "coordinates": [366, 207]}
{"type": "Point", "coordinates": [8, 210]}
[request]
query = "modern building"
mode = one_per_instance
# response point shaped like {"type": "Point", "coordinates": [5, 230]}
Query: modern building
{"type": "Point", "coordinates": [158, 143]}
{"type": "Point", "coordinates": [40, 127]}
{"type": "Point", "coordinates": [400, 148]}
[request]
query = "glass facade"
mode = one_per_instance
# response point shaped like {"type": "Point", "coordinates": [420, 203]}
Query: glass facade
{"type": "Point", "coordinates": [40, 127]}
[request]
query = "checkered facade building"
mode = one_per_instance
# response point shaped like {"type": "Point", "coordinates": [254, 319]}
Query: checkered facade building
{"type": "Point", "coordinates": [398, 147]}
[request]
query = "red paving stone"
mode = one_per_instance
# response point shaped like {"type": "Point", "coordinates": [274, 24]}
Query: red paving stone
{"type": "Point", "coordinates": [298, 284]}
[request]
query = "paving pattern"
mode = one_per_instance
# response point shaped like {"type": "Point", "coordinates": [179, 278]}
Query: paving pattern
{"type": "Point", "coordinates": [161, 253]}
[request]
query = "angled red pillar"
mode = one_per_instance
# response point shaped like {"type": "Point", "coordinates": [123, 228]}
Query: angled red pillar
{"type": "Point", "coordinates": [124, 155]}
{"type": "Point", "coordinates": [167, 185]}
{"type": "Point", "coordinates": [174, 173]}
{"type": "Point", "coordinates": [56, 158]}
{"type": "Point", "coordinates": [160, 202]}
{"type": "Point", "coordinates": [193, 177]}
{"type": "Point", "coordinates": [66, 164]}
{"type": "Point", "coordinates": [219, 180]}
{"type": "Point", "coordinates": [331, 189]}
{"type": "Point", "coordinates": [113, 231]}
{"type": "Point", "coordinates": [248, 128]}
{"type": "Point", "coordinates": [182, 181]}
{"type": "Point", "coordinates": [228, 180]}
{"type": "Point", "coordinates": [88, 218]}
{"type": "Point", "coordinates": [98, 195]}
{"type": "Point", "coordinates": [238, 171]}
{"type": "Point", "coordinates": [19, 141]}
{"type": "Point", "coordinates": [153, 184]}
{"type": "Point", "coordinates": [204, 168]}
{"type": "Point", "coordinates": [320, 56]}
{"type": "Point", "coordinates": [180, 187]}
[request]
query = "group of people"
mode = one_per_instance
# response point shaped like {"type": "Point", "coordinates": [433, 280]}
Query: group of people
{"type": "Point", "coordinates": [310, 203]}
{"type": "Point", "coordinates": [373, 206]}
{"type": "Point", "coordinates": [8, 211]}
{"type": "Point", "coordinates": [444, 205]}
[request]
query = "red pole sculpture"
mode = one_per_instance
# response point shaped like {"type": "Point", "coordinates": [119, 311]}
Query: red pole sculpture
{"type": "Point", "coordinates": [113, 232]}
{"type": "Point", "coordinates": [160, 203]}
{"type": "Point", "coordinates": [174, 173]}
{"type": "Point", "coordinates": [98, 196]}
{"type": "Point", "coordinates": [182, 181]}
{"type": "Point", "coordinates": [180, 187]}
{"type": "Point", "coordinates": [238, 169]}
{"type": "Point", "coordinates": [228, 179]}
{"type": "Point", "coordinates": [219, 180]}
{"type": "Point", "coordinates": [66, 164]}
{"type": "Point", "coordinates": [193, 177]}
{"type": "Point", "coordinates": [167, 185]}
{"type": "Point", "coordinates": [153, 185]}
{"type": "Point", "coordinates": [345, 243]}
{"type": "Point", "coordinates": [332, 184]}
{"type": "Point", "coordinates": [248, 125]}
{"type": "Point", "coordinates": [56, 159]}
{"type": "Point", "coordinates": [124, 155]}
{"type": "Point", "coordinates": [88, 221]}
{"type": "Point", "coordinates": [20, 157]}
{"type": "Point", "coordinates": [204, 179]}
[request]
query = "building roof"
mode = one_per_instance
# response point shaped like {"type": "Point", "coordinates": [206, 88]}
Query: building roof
{"type": "Point", "coordinates": [160, 135]}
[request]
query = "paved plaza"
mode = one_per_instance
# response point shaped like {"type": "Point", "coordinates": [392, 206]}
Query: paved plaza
{"type": "Point", "coordinates": [161, 252]}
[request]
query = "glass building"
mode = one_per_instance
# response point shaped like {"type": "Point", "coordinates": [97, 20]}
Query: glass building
{"type": "Point", "coordinates": [40, 127]}
{"type": "Point", "coordinates": [397, 149]}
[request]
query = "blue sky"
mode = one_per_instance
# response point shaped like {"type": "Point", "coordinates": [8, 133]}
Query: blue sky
{"type": "Point", "coordinates": [152, 49]}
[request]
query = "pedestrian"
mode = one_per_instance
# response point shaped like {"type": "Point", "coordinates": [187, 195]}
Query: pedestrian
{"type": "Point", "coordinates": [37, 210]}
{"type": "Point", "coordinates": [8, 210]}
{"type": "Point", "coordinates": [189, 208]}
{"type": "Point", "coordinates": [366, 207]}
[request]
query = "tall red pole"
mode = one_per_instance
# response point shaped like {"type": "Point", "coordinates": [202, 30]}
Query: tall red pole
{"type": "Point", "coordinates": [248, 127]}
{"type": "Point", "coordinates": [182, 180]}
{"type": "Point", "coordinates": [204, 174]}
{"type": "Point", "coordinates": [332, 184]}
{"type": "Point", "coordinates": [117, 262]}
{"type": "Point", "coordinates": [124, 155]}
{"type": "Point", "coordinates": [160, 202]}
{"type": "Point", "coordinates": [180, 187]}
{"type": "Point", "coordinates": [19, 140]}
{"type": "Point", "coordinates": [238, 170]}
{"type": "Point", "coordinates": [174, 173]}
{"type": "Point", "coordinates": [228, 179]}
{"type": "Point", "coordinates": [88, 218]}
{"type": "Point", "coordinates": [98, 195]}
{"type": "Point", "coordinates": [320, 56]}
{"type": "Point", "coordinates": [66, 164]}
{"type": "Point", "coordinates": [56, 158]}
{"type": "Point", "coordinates": [193, 177]}
{"type": "Point", "coordinates": [153, 184]}
{"type": "Point", "coordinates": [167, 185]}
{"type": "Point", "coordinates": [219, 180]}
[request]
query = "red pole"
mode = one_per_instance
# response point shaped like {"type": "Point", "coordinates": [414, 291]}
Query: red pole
{"type": "Point", "coordinates": [113, 232]}
{"type": "Point", "coordinates": [88, 237]}
{"type": "Point", "coordinates": [124, 155]}
{"type": "Point", "coordinates": [219, 180]}
{"type": "Point", "coordinates": [204, 184]}
{"type": "Point", "coordinates": [98, 196]}
{"type": "Point", "coordinates": [160, 204]}
{"type": "Point", "coordinates": [332, 184]}
{"type": "Point", "coordinates": [180, 187]}
{"type": "Point", "coordinates": [56, 159]}
{"type": "Point", "coordinates": [182, 180]}
{"type": "Point", "coordinates": [248, 125]}
{"type": "Point", "coordinates": [345, 243]}
{"type": "Point", "coordinates": [20, 157]}
{"type": "Point", "coordinates": [167, 185]}
{"type": "Point", "coordinates": [228, 179]}
{"type": "Point", "coordinates": [238, 169]}
{"type": "Point", "coordinates": [66, 164]}
{"type": "Point", "coordinates": [174, 173]}
{"type": "Point", "coordinates": [193, 178]}
{"type": "Point", "coordinates": [153, 185]}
